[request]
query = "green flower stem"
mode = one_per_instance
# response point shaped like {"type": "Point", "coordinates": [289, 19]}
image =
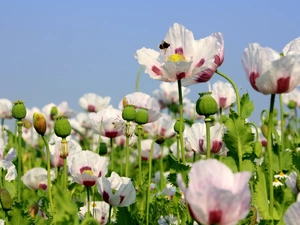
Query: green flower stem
{"type": "Point", "coordinates": [109, 214]}
{"type": "Point", "coordinates": [207, 126]}
{"type": "Point", "coordinates": [48, 173]}
{"type": "Point", "coordinates": [122, 160]}
{"type": "Point", "coordinates": [161, 167]}
{"type": "Point", "coordinates": [127, 150]}
{"type": "Point", "coordinates": [19, 127]}
{"type": "Point", "coordinates": [88, 198]}
{"type": "Point", "coordinates": [112, 154]}
{"type": "Point", "coordinates": [235, 89]}
{"type": "Point", "coordinates": [149, 182]}
{"type": "Point", "coordinates": [269, 150]}
{"type": "Point", "coordinates": [281, 149]}
{"type": "Point", "coordinates": [138, 78]}
{"type": "Point", "coordinates": [139, 128]}
{"type": "Point", "coordinates": [65, 175]}
{"type": "Point", "coordinates": [177, 147]}
{"type": "Point", "coordinates": [181, 121]}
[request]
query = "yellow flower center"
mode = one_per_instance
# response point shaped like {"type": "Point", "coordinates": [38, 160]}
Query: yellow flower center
{"type": "Point", "coordinates": [88, 172]}
{"type": "Point", "coordinates": [276, 180]}
{"type": "Point", "coordinates": [281, 174]}
{"type": "Point", "coordinates": [176, 58]}
{"type": "Point", "coordinates": [94, 204]}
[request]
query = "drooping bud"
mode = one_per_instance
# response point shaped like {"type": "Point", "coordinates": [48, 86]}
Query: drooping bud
{"type": "Point", "coordinates": [264, 130]}
{"type": "Point", "coordinates": [102, 148]}
{"type": "Point", "coordinates": [5, 200]}
{"type": "Point", "coordinates": [142, 116]}
{"type": "Point", "coordinates": [129, 113]}
{"type": "Point", "coordinates": [206, 105]}
{"type": "Point", "coordinates": [19, 110]}
{"type": "Point", "coordinates": [39, 123]}
{"type": "Point", "coordinates": [177, 126]}
{"type": "Point", "coordinates": [257, 148]}
{"type": "Point", "coordinates": [62, 127]}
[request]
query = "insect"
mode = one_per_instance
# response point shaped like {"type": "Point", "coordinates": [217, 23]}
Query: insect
{"type": "Point", "coordinates": [164, 46]}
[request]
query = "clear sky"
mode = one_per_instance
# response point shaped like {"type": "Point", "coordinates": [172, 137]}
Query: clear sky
{"type": "Point", "coordinates": [54, 51]}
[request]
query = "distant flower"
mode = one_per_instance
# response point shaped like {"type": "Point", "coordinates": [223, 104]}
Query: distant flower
{"type": "Point", "coordinates": [189, 109]}
{"type": "Point", "coordinates": [156, 151]}
{"type": "Point", "coordinates": [224, 94]}
{"type": "Point", "coordinates": [6, 162]}
{"type": "Point", "coordinates": [55, 159]}
{"type": "Point", "coordinates": [292, 96]}
{"type": "Point", "coordinates": [5, 108]}
{"type": "Point", "coordinates": [2, 222]}
{"type": "Point", "coordinates": [103, 122]}
{"type": "Point", "coordinates": [99, 210]}
{"type": "Point", "coordinates": [92, 102]}
{"type": "Point", "coordinates": [36, 178]}
{"type": "Point", "coordinates": [195, 136]}
{"type": "Point", "coordinates": [142, 100]}
{"type": "Point", "coordinates": [277, 183]}
{"type": "Point", "coordinates": [63, 110]}
{"type": "Point", "coordinates": [30, 112]}
{"type": "Point", "coordinates": [163, 127]}
{"type": "Point", "coordinates": [292, 215]}
{"type": "Point", "coordinates": [280, 176]}
{"type": "Point", "coordinates": [270, 73]}
{"type": "Point", "coordinates": [291, 182]}
{"type": "Point", "coordinates": [116, 191]}
{"type": "Point", "coordinates": [86, 167]}
{"type": "Point", "coordinates": [193, 61]}
{"type": "Point", "coordinates": [218, 196]}
{"type": "Point", "coordinates": [168, 94]}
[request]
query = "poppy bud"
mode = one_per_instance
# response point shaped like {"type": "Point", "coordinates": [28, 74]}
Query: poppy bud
{"type": "Point", "coordinates": [142, 116]}
{"type": "Point", "coordinates": [206, 105]}
{"type": "Point", "coordinates": [19, 110]}
{"type": "Point", "coordinates": [129, 113]}
{"type": "Point", "coordinates": [5, 200]}
{"type": "Point", "coordinates": [177, 126]}
{"type": "Point", "coordinates": [39, 123]}
{"type": "Point", "coordinates": [62, 127]}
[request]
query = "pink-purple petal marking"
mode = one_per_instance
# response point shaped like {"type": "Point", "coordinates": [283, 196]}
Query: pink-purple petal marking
{"type": "Point", "coordinates": [179, 51]}
{"type": "Point", "coordinates": [157, 71]}
{"type": "Point", "coordinates": [200, 63]}
{"type": "Point", "coordinates": [82, 169]}
{"type": "Point", "coordinates": [283, 84]}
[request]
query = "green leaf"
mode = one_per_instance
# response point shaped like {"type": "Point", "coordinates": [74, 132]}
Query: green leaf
{"type": "Point", "coordinates": [248, 165]}
{"type": "Point", "coordinates": [18, 216]}
{"type": "Point", "coordinates": [247, 106]}
{"type": "Point", "coordinates": [230, 162]}
{"type": "Point", "coordinates": [124, 217]}
{"type": "Point", "coordinates": [260, 194]}
{"type": "Point", "coordinates": [239, 135]}
{"type": "Point", "coordinates": [175, 168]}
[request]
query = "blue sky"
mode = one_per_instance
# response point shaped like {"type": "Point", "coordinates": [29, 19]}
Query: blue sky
{"type": "Point", "coordinates": [54, 51]}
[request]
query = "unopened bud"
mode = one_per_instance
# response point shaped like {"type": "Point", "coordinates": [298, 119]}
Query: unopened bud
{"type": "Point", "coordinates": [206, 105]}
{"type": "Point", "coordinates": [39, 123]}
{"type": "Point", "coordinates": [177, 126]}
{"type": "Point", "coordinates": [5, 200]}
{"type": "Point", "coordinates": [62, 127]}
{"type": "Point", "coordinates": [19, 110]}
{"type": "Point", "coordinates": [142, 116]}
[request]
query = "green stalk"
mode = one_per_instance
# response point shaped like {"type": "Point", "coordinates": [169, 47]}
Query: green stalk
{"type": "Point", "coordinates": [88, 198]}
{"type": "Point", "coordinates": [48, 173]}
{"type": "Point", "coordinates": [207, 126]}
{"type": "Point", "coordinates": [112, 154]}
{"type": "Point", "coordinates": [19, 127]}
{"type": "Point", "coordinates": [127, 150]}
{"type": "Point", "coordinates": [2, 129]}
{"type": "Point", "coordinates": [177, 147]}
{"type": "Point", "coordinates": [139, 127]}
{"type": "Point", "coordinates": [149, 182]}
{"type": "Point", "coordinates": [161, 167]}
{"type": "Point", "coordinates": [269, 150]}
{"type": "Point", "coordinates": [236, 90]}
{"type": "Point", "coordinates": [138, 78]}
{"type": "Point", "coordinates": [65, 184]}
{"type": "Point", "coordinates": [109, 213]}
{"type": "Point", "coordinates": [281, 149]}
{"type": "Point", "coordinates": [181, 121]}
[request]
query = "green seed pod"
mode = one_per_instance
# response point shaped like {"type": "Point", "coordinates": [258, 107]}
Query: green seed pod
{"type": "Point", "coordinates": [206, 105]}
{"type": "Point", "coordinates": [129, 113]}
{"type": "Point", "coordinates": [54, 111]}
{"type": "Point", "coordinates": [257, 148]}
{"type": "Point", "coordinates": [292, 104]}
{"type": "Point", "coordinates": [142, 116]}
{"type": "Point", "coordinates": [39, 123]}
{"type": "Point", "coordinates": [177, 126]}
{"type": "Point", "coordinates": [5, 200]}
{"type": "Point", "coordinates": [19, 110]}
{"type": "Point", "coordinates": [62, 127]}
{"type": "Point", "coordinates": [102, 148]}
